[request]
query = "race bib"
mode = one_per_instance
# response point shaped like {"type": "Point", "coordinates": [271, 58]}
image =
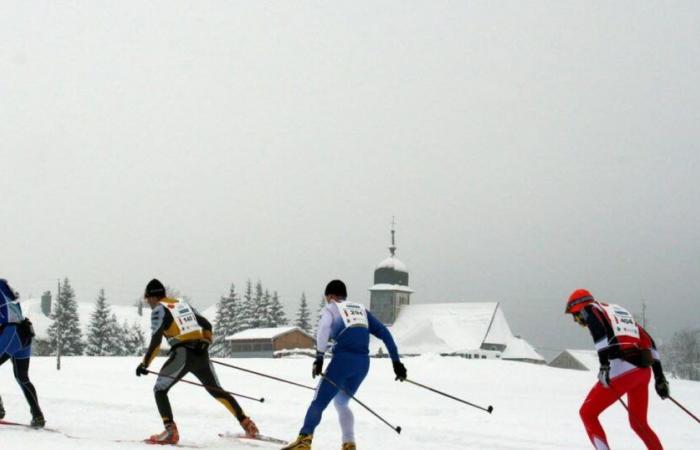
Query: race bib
{"type": "Point", "coordinates": [353, 315]}
{"type": "Point", "coordinates": [184, 317]}
{"type": "Point", "coordinates": [622, 321]}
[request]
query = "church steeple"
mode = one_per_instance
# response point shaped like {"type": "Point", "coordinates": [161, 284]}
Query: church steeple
{"type": "Point", "coordinates": [393, 247]}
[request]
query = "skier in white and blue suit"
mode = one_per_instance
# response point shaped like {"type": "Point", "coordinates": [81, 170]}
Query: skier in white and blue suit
{"type": "Point", "coordinates": [16, 335]}
{"type": "Point", "coordinates": [349, 326]}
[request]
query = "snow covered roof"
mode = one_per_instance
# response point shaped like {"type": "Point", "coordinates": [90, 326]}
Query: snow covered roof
{"type": "Point", "coordinates": [262, 333]}
{"type": "Point", "coordinates": [31, 308]}
{"type": "Point", "coordinates": [519, 349]}
{"type": "Point", "coordinates": [587, 358]}
{"type": "Point", "coordinates": [391, 287]}
{"type": "Point", "coordinates": [448, 328]}
{"type": "Point", "coordinates": [392, 263]}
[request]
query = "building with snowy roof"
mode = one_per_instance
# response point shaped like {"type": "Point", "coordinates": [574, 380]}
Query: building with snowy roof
{"type": "Point", "coordinates": [576, 360]}
{"type": "Point", "coordinates": [472, 330]}
{"type": "Point", "coordinates": [266, 342]}
{"type": "Point", "coordinates": [390, 290]}
{"type": "Point", "coordinates": [519, 349]}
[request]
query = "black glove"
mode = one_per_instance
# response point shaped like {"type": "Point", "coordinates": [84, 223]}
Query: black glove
{"type": "Point", "coordinates": [317, 367]}
{"type": "Point", "coordinates": [662, 388]}
{"type": "Point", "coordinates": [141, 370]}
{"type": "Point", "coordinates": [400, 371]}
{"type": "Point", "coordinates": [604, 375]}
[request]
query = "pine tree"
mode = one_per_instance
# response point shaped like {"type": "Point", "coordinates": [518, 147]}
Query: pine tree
{"type": "Point", "coordinates": [321, 305]}
{"type": "Point", "coordinates": [65, 325]}
{"type": "Point", "coordinates": [266, 309]}
{"type": "Point", "coordinates": [227, 321]}
{"type": "Point", "coordinates": [259, 308]}
{"type": "Point", "coordinates": [277, 315]}
{"type": "Point", "coordinates": [134, 339]}
{"type": "Point", "coordinates": [246, 316]}
{"type": "Point", "coordinates": [103, 337]}
{"type": "Point", "coordinates": [303, 320]}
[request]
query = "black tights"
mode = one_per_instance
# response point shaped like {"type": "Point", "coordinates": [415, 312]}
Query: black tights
{"type": "Point", "coordinates": [21, 370]}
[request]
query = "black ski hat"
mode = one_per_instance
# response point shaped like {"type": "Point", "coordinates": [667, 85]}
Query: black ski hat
{"type": "Point", "coordinates": [337, 288]}
{"type": "Point", "coordinates": [154, 288]}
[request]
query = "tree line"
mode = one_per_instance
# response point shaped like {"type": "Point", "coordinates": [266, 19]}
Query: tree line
{"type": "Point", "coordinates": [256, 308]}
{"type": "Point", "coordinates": [106, 336]}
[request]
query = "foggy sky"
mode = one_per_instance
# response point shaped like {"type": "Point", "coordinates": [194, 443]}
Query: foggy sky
{"type": "Point", "coordinates": [525, 148]}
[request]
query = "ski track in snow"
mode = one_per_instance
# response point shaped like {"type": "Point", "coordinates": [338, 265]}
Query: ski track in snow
{"type": "Point", "coordinates": [95, 401]}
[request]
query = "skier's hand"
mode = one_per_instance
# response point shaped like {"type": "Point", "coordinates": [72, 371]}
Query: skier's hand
{"type": "Point", "coordinates": [400, 371]}
{"type": "Point", "coordinates": [604, 375]}
{"type": "Point", "coordinates": [662, 388]}
{"type": "Point", "coordinates": [141, 370]}
{"type": "Point", "coordinates": [317, 368]}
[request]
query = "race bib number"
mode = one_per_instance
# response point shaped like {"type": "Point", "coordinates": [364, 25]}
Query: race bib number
{"type": "Point", "coordinates": [622, 321]}
{"type": "Point", "coordinates": [184, 317]}
{"type": "Point", "coordinates": [353, 315]}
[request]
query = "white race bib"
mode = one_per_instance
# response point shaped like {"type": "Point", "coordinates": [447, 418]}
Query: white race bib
{"type": "Point", "coordinates": [353, 314]}
{"type": "Point", "coordinates": [622, 321]}
{"type": "Point", "coordinates": [184, 317]}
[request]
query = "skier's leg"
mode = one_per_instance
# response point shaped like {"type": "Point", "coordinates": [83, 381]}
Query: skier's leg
{"type": "Point", "coordinates": [204, 371]}
{"type": "Point", "coordinates": [351, 385]}
{"type": "Point", "coordinates": [172, 371]}
{"type": "Point", "coordinates": [21, 371]}
{"type": "Point", "coordinates": [638, 399]}
{"type": "Point", "coordinates": [598, 400]}
{"type": "Point", "coordinates": [325, 393]}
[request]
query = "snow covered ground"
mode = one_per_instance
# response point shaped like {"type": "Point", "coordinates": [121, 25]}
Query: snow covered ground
{"type": "Point", "coordinates": [100, 399]}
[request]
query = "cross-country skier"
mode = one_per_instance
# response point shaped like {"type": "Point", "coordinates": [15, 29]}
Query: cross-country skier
{"type": "Point", "coordinates": [349, 325]}
{"type": "Point", "coordinates": [16, 333]}
{"type": "Point", "coordinates": [189, 335]}
{"type": "Point", "coordinates": [627, 357]}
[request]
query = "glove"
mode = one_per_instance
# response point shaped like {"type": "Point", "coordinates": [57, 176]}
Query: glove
{"type": "Point", "coordinates": [604, 375]}
{"type": "Point", "coordinates": [317, 367]}
{"type": "Point", "coordinates": [662, 388]}
{"type": "Point", "coordinates": [141, 370]}
{"type": "Point", "coordinates": [400, 371]}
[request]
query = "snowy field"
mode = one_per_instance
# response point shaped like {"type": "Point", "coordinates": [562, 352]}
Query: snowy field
{"type": "Point", "coordinates": [98, 400]}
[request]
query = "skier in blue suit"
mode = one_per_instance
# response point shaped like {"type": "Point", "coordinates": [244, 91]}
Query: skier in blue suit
{"type": "Point", "coordinates": [16, 335]}
{"type": "Point", "coordinates": [349, 326]}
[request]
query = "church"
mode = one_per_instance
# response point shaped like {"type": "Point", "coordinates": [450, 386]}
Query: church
{"type": "Point", "coordinates": [473, 330]}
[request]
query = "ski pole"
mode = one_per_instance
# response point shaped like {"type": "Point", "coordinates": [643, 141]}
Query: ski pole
{"type": "Point", "coordinates": [488, 410]}
{"type": "Point", "coordinates": [684, 409]}
{"type": "Point", "coordinates": [397, 429]}
{"type": "Point", "coordinates": [205, 386]}
{"type": "Point", "coordinates": [262, 375]}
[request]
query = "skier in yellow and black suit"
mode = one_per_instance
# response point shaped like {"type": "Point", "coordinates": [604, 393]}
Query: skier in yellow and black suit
{"type": "Point", "coordinates": [189, 335]}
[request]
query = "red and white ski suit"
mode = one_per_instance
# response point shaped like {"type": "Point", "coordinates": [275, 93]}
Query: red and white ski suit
{"type": "Point", "coordinates": [619, 341]}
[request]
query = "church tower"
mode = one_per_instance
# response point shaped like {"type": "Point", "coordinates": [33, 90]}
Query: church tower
{"type": "Point", "coordinates": [390, 289]}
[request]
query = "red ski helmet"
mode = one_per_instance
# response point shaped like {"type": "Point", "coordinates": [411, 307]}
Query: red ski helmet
{"type": "Point", "coordinates": [578, 300]}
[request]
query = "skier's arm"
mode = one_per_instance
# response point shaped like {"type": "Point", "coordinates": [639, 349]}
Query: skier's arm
{"type": "Point", "coordinates": [323, 334]}
{"type": "Point", "coordinates": [656, 365]}
{"type": "Point", "coordinates": [598, 328]}
{"type": "Point", "coordinates": [376, 328]}
{"type": "Point", "coordinates": [159, 324]}
{"type": "Point", "coordinates": [206, 326]}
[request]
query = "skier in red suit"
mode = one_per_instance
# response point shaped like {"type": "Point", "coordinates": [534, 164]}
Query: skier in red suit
{"type": "Point", "coordinates": [627, 357]}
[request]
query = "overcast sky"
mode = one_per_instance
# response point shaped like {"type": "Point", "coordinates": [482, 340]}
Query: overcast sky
{"type": "Point", "coordinates": [525, 148]}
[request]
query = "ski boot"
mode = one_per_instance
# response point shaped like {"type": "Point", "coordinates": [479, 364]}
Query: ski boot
{"type": "Point", "coordinates": [251, 430]}
{"type": "Point", "coordinates": [348, 446]}
{"type": "Point", "coordinates": [38, 421]}
{"type": "Point", "coordinates": [2, 409]}
{"type": "Point", "coordinates": [303, 442]}
{"type": "Point", "coordinates": [169, 436]}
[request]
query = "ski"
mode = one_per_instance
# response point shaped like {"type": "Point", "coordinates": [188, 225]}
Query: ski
{"type": "Point", "coordinates": [259, 437]}
{"type": "Point", "coordinates": [25, 425]}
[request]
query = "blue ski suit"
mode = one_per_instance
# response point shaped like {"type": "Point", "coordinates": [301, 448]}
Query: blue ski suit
{"type": "Point", "coordinates": [349, 325]}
